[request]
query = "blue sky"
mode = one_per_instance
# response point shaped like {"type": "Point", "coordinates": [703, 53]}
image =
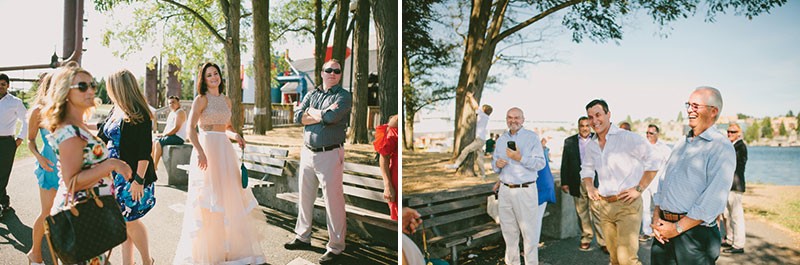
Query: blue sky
{"type": "Point", "coordinates": [755, 64]}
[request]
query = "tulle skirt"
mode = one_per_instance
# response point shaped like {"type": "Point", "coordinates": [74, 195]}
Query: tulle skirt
{"type": "Point", "coordinates": [219, 221]}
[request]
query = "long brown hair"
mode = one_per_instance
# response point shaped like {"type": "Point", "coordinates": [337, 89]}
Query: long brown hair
{"type": "Point", "coordinates": [41, 92]}
{"type": "Point", "coordinates": [202, 88]}
{"type": "Point", "coordinates": [127, 96]}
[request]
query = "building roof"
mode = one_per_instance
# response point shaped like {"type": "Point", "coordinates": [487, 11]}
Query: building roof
{"type": "Point", "coordinates": [307, 66]}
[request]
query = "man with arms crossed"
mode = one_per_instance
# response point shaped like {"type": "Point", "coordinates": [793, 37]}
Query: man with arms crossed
{"type": "Point", "coordinates": [518, 197]}
{"type": "Point", "coordinates": [325, 112]}
{"type": "Point", "coordinates": [697, 179]}
{"type": "Point", "coordinates": [625, 166]}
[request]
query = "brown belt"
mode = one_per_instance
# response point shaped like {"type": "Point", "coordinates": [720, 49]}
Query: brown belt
{"type": "Point", "coordinates": [523, 185]}
{"type": "Point", "coordinates": [611, 198]}
{"type": "Point", "coordinates": [671, 217]}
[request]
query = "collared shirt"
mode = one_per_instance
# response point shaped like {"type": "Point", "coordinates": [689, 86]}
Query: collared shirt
{"type": "Point", "coordinates": [525, 170]}
{"type": "Point", "coordinates": [480, 126]}
{"type": "Point", "coordinates": [698, 176]}
{"type": "Point", "coordinates": [662, 152]}
{"type": "Point", "coordinates": [331, 130]}
{"type": "Point", "coordinates": [582, 142]}
{"type": "Point", "coordinates": [621, 163]}
{"type": "Point", "coordinates": [11, 110]}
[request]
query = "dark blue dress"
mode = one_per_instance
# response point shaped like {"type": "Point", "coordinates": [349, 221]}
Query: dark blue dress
{"type": "Point", "coordinates": [131, 209]}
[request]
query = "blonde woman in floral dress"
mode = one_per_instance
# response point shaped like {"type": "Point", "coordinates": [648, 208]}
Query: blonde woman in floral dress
{"type": "Point", "coordinates": [81, 155]}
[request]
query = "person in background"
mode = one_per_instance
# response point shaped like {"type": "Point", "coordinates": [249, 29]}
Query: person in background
{"type": "Point", "coordinates": [518, 158]}
{"type": "Point", "coordinates": [82, 156]}
{"type": "Point", "coordinates": [481, 133]}
{"type": "Point", "coordinates": [126, 131]}
{"type": "Point", "coordinates": [662, 154]}
{"type": "Point", "coordinates": [625, 126]}
{"type": "Point", "coordinates": [697, 179]}
{"type": "Point", "coordinates": [546, 189]}
{"type": "Point", "coordinates": [386, 145]}
{"type": "Point", "coordinates": [490, 144]}
{"type": "Point", "coordinates": [174, 132]}
{"type": "Point", "coordinates": [11, 111]}
{"type": "Point", "coordinates": [734, 212]}
{"type": "Point", "coordinates": [46, 171]}
{"type": "Point", "coordinates": [573, 153]}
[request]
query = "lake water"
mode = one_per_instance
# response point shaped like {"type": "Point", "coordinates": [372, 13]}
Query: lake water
{"type": "Point", "coordinates": [773, 165]}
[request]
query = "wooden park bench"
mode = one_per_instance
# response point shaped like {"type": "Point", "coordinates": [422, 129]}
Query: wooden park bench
{"type": "Point", "coordinates": [265, 161]}
{"type": "Point", "coordinates": [454, 218]}
{"type": "Point", "coordinates": [363, 184]}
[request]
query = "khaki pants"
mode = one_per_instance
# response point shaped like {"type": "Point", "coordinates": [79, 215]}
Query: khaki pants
{"type": "Point", "coordinates": [518, 209]}
{"type": "Point", "coordinates": [620, 222]}
{"type": "Point", "coordinates": [588, 219]}
{"type": "Point", "coordinates": [326, 169]}
{"type": "Point", "coordinates": [477, 147]}
{"type": "Point", "coordinates": [734, 220]}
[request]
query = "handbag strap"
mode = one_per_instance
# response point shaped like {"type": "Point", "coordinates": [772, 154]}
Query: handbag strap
{"type": "Point", "coordinates": [425, 244]}
{"type": "Point", "coordinates": [50, 243]}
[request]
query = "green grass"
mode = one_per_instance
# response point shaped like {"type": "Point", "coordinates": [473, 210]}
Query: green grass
{"type": "Point", "coordinates": [22, 150]}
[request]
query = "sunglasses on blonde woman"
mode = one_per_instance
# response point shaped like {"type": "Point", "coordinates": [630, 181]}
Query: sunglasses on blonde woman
{"type": "Point", "coordinates": [83, 86]}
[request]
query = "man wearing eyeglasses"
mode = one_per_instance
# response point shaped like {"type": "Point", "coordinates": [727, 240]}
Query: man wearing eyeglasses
{"type": "Point", "coordinates": [734, 213]}
{"type": "Point", "coordinates": [697, 179]}
{"type": "Point", "coordinates": [624, 164]}
{"type": "Point", "coordinates": [11, 110]}
{"type": "Point", "coordinates": [662, 154]}
{"type": "Point", "coordinates": [325, 113]}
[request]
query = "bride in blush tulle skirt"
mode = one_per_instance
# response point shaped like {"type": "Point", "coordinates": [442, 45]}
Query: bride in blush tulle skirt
{"type": "Point", "coordinates": [219, 221]}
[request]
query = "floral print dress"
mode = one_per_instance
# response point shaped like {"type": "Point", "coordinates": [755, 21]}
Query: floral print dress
{"type": "Point", "coordinates": [131, 209]}
{"type": "Point", "coordinates": [93, 153]}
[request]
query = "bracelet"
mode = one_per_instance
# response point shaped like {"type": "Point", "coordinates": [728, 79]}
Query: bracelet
{"type": "Point", "coordinates": [138, 179]}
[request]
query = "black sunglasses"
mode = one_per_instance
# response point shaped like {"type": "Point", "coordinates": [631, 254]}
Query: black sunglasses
{"type": "Point", "coordinates": [83, 86]}
{"type": "Point", "coordinates": [651, 133]}
{"type": "Point", "coordinates": [333, 70]}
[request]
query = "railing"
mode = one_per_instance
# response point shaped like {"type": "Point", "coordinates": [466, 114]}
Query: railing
{"type": "Point", "coordinates": [282, 114]}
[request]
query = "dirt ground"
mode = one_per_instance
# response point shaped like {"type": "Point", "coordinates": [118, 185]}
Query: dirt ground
{"type": "Point", "coordinates": [425, 172]}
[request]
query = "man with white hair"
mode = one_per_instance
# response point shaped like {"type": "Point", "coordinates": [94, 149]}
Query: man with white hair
{"type": "Point", "coordinates": [517, 160]}
{"type": "Point", "coordinates": [697, 179]}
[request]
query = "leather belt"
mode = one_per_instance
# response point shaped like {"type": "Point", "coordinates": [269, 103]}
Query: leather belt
{"type": "Point", "coordinates": [324, 148]}
{"type": "Point", "coordinates": [612, 198]}
{"type": "Point", "coordinates": [671, 217]}
{"type": "Point", "coordinates": [523, 185]}
{"type": "Point", "coordinates": [7, 136]}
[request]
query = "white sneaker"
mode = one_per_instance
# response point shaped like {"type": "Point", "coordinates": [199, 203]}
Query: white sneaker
{"type": "Point", "coordinates": [451, 166]}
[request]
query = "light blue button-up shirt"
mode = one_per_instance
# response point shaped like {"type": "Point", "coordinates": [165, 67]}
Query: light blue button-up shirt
{"type": "Point", "coordinates": [698, 176]}
{"type": "Point", "coordinates": [525, 170]}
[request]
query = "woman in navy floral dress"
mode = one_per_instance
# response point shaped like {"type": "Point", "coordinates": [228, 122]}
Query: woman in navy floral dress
{"type": "Point", "coordinates": [127, 130]}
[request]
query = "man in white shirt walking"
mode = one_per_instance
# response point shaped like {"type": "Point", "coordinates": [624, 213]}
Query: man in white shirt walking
{"type": "Point", "coordinates": [481, 132]}
{"type": "Point", "coordinates": [625, 165]}
{"type": "Point", "coordinates": [11, 110]}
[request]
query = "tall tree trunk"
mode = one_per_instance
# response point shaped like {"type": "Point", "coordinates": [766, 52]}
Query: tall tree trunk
{"type": "Point", "coordinates": [263, 111]}
{"type": "Point", "coordinates": [358, 130]}
{"type": "Point", "coordinates": [386, 28]}
{"type": "Point", "coordinates": [340, 35]}
{"type": "Point", "coordinates": [480, 48]}
{"type": "Point", "coordinates": [232, 11]}
{"type": "Point", "coordinates": [409, 112]}
{"type": "Point", "coordinates": [319, 41]}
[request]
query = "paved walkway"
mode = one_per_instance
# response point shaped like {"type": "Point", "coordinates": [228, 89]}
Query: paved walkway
{"type": "Point", "coordinates": [164, 224]}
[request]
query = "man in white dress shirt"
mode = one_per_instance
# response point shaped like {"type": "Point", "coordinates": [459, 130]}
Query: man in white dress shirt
{"type": "Point", "coordinates": [11, 110]}
{"type": "Point", "coordinates": [625, 165]}
{"type": "Point", "coordinates": [517, 165]}
{"type": "Point", "coordinates": [662, 154]}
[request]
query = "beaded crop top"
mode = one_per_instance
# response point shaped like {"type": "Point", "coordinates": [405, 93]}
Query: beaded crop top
{"type": "Point", "coordinates": [216, 112]}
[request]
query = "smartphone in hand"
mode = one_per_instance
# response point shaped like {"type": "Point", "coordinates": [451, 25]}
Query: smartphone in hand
{"type": "Point", "coordinates": [512, 145]}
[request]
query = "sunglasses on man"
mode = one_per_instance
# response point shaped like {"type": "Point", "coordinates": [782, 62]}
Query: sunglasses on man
{"type": "Point", "coordinates": [333, 70]}
{"type": "Point", "coordinates": [83, 86]}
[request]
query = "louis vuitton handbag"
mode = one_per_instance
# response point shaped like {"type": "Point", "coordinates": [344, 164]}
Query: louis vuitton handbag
{"type": "Point", "coordinates": [88, 228]}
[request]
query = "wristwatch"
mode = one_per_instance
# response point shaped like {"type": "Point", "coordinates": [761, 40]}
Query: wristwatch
{"type": "Point", "coordinates": [678, 228]}
{"type": "Point", "coordinates": [638, 188]}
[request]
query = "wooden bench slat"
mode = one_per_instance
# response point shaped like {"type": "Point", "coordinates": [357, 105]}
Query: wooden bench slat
{"type": "Point", "coordinates": [264, 169]}
{"type": "Point", "coordinates": [362, 169]}
{"type": "Point", "coordinates": [363, 193]}
{"type": "Point", "coordinates": [461, 236]}
{"type": "Point", "coordinates": [363, 181]}
{"type": "Point", "coordinates": [454, 205]}
{"type": "Point", "coordinates": [260, 149]}
{"type": "Point", "coordinates": [417, 200]}
{"type": "Point", "coordinates": [441, 220]}
{"type": "Point", "coordinates": [368, 216]}
{"type": "Point", "coordinates": [262, 159]}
